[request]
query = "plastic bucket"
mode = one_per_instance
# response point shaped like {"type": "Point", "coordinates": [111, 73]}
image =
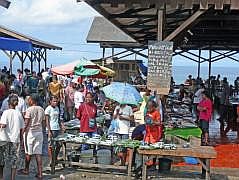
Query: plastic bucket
{"type": "Point", "coordinates": [104, 156]}
{"type": "Point", "coordinates": [86, 156]}
{"type": "Point", "coordinates": [164, 165]}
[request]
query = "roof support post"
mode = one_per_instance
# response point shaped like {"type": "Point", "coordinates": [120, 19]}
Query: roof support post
{"type": "Point", "coordinates": [209, 70]}
{"type": "Point", "coordinates": [199, 62]}
{"type": "Point", "coordinates": [160, 25]}
{"type": "Point", "coordinates": [45, 58]}
{"type": "Point", "coordinates": [103, 57]}
{"type": "Point", "coordinates": [31, 60]}
{"type": "Point", "coordinates": [11, 57]}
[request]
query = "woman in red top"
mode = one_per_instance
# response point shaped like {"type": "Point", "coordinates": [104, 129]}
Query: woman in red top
{"type": "Point", "coordinates": [205, 114]}
{"type": "Point", "coordinates": [153, 124]}
{"type": "Point", "coordinates": [86, 114]}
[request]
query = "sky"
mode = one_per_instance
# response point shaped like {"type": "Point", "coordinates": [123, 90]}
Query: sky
{"type": "Point", "coordinates": [64, 23]}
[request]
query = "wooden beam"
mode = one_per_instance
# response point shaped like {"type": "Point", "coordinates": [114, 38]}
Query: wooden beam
{"type": "Point", "coordinates": [160, 25]}
{"type": "Point", "coordinates": [184, 25]}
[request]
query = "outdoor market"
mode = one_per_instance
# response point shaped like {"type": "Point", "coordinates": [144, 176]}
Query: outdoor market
{"type": "Point", "coordinates": [126, 118]}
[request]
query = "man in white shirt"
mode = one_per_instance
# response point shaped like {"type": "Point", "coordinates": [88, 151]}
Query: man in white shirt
{"type": "Point", "coordinates": [13, 123]}
{"type": "Point", "coordinates": [78, 97]}
{"type": "Point", "coordinates": [123, 114]}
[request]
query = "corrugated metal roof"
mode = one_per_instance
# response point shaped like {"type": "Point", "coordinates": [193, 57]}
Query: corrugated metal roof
{"type": "Point", "coordinates": [6, 32]}
{"type": "Point", "coordinates": [103, 30]}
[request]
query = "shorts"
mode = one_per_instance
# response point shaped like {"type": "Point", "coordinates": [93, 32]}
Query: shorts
{"type": "Point", "coordinates": [204, 125]}
{"type": "Point", "coordinates": [33, 142]}
{"type": "Point", "coordinates": [2, 155]}
{"type": "Point", "coordinates": [12, 152]}
{"type": "Point", "coordinates": [55, 133]}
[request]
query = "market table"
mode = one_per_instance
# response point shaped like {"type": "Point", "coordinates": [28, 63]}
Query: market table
{"type": "Point", "coordinates": [203, 154]}
{"type": "Point", "coordinates": [127, 168]}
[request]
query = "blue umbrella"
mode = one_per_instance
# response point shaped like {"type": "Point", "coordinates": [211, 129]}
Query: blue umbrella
{"type": "Point", "coordinates": [123, 93]}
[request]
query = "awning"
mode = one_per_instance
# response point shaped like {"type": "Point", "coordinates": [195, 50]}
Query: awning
{"type": "Point", "coordinates": [10, 44]}
{"type": "Point", "coordinates": [69, 68]}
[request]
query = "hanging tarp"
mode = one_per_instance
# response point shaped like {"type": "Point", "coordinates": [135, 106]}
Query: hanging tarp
{"type": "Point", "coordinates": [82, 71]}
{"type": "Point", "coordinates": [10, 44]}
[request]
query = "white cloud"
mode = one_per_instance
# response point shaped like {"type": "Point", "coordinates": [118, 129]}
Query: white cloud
{"type": "Point", "coordinates": [46, 12]}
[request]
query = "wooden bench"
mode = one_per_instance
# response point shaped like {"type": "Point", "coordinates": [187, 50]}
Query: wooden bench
{"type": "Point", "coordinates": [202, 153]}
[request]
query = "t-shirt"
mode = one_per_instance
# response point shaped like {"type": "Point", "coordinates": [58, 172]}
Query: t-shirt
{"type": "Point", "coordinates": [86, 112]}
{"type": "Point", "coordinates": [2, 90]}
{"type": "Point", "coordinates": [69, 94]}
{"type": "Point", "coordinates": [21, 106]}
{"type": "Point", "coordinates": [54, 117]}
{"type": "Point", "coordinates": [55, 89]}
{"type": "Point", "coordinates": [123, 125]}
{"type": "Point", "coordinates": [205, 115]}
{"type": "Point", "coordinates": [78, 99]}
{"type": "Point", "coordinates": [14, 122]}
{"type": "Point", "coordinates": [36, 115]}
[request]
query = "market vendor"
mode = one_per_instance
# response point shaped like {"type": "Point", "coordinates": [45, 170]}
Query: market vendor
{"type": "Point", "coordinates": [123, 114]}
{"type": "Point", "coordinates": [87, 115]}
{"type": "Point", "coordinates": [153, 122]}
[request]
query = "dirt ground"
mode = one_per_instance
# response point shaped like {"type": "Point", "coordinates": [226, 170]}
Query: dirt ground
{"type": "Point", "coordinates": [177, 173]}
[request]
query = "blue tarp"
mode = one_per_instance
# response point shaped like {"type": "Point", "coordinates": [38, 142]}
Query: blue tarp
{"type": "Point", "coordinates": [11, 44]}
{"type": "Point", "coordinates": [143, 69]}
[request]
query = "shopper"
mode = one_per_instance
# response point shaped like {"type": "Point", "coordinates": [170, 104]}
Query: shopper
{"type": "Point", "coordinates": [205, 113]}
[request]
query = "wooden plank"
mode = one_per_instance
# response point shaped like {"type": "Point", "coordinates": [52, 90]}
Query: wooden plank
{"type": "Point", "coordinates": [188, 4]}
{"type": "Point", "coordinates": [160, 25]}
{"type": "Point", "coordinates": [103, 166]}
{"type": "Point", "coordinates": [130, 151]}
{"type": "Point", "coordinates": [234, 4]}
{"type": "Point", "coordinates": [173, 4]}
{"type": "Point", "coordinates": [184, 25]}
{"type": "Point", "coordinates": [219, 4]}
{"type": "Point", "coordinates": [208, 176]}
{"type": "Point", "coordinates": [204, 4]}
{"type": "Point", "coordinates": [198, 152]}
{"type": "Point", "coordinates": [144, 170]}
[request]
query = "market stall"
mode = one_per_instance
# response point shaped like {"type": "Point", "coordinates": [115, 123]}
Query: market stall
{"type": "Point", "coordinates": [93, 159]}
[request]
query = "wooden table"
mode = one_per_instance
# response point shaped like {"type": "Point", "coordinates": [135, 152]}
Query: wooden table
{"type": "Point", "coordinates": [203, 154]}
{"type": "Point", "coordinates": [127, 168]}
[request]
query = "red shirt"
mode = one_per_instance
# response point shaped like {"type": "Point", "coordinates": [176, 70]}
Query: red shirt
{"type": "Point", "coordinates": [85, 113]}
{"type": "Point", "coordinates": [2, 91]}
{"type": "Point", "coordinates": [153, 132]}
{"type": "Point", "coordinates": [207, 114]}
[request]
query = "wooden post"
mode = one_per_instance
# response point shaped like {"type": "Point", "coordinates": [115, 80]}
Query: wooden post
{"type": "Point", "coordinates": [199, 62]}
{"type": "Point", "coordinates": [31, 60]}
{"type": "Point", "coordinates": [39, 65]}
{"type": "Point", "coordinates": [160, 25]}
{"type": "Point", "coordinates": [11, 59]}
{"type": "Point", "coordinates": [209, 70]}
{"type": "Point", "coordinates": [103, 57]}
{"type": "Point", "coordinates": [144, 168]}
{"type": "Point", "coordinates": [113, 52]}
{"type": "Point", "coordinates": [45, 58]}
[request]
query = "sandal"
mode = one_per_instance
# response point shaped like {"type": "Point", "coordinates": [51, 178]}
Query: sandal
{"type": "Point", "coordinates": [22, 172]}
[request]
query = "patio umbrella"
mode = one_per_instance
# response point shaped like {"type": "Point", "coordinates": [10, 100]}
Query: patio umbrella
{"type": "Point", "coordinates": [123, 93]}
{"type": "Point", "coordinates": [68, 69]}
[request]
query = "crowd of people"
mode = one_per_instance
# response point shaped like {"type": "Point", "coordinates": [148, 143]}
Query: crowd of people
{"type": "Point", "coordinates": [34, 107]}
{"type": "Point", "coordinates": [218, 91]}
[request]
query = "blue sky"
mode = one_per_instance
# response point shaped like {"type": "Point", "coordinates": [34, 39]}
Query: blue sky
{"type": "Point", "coordinates": [64, 23]}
